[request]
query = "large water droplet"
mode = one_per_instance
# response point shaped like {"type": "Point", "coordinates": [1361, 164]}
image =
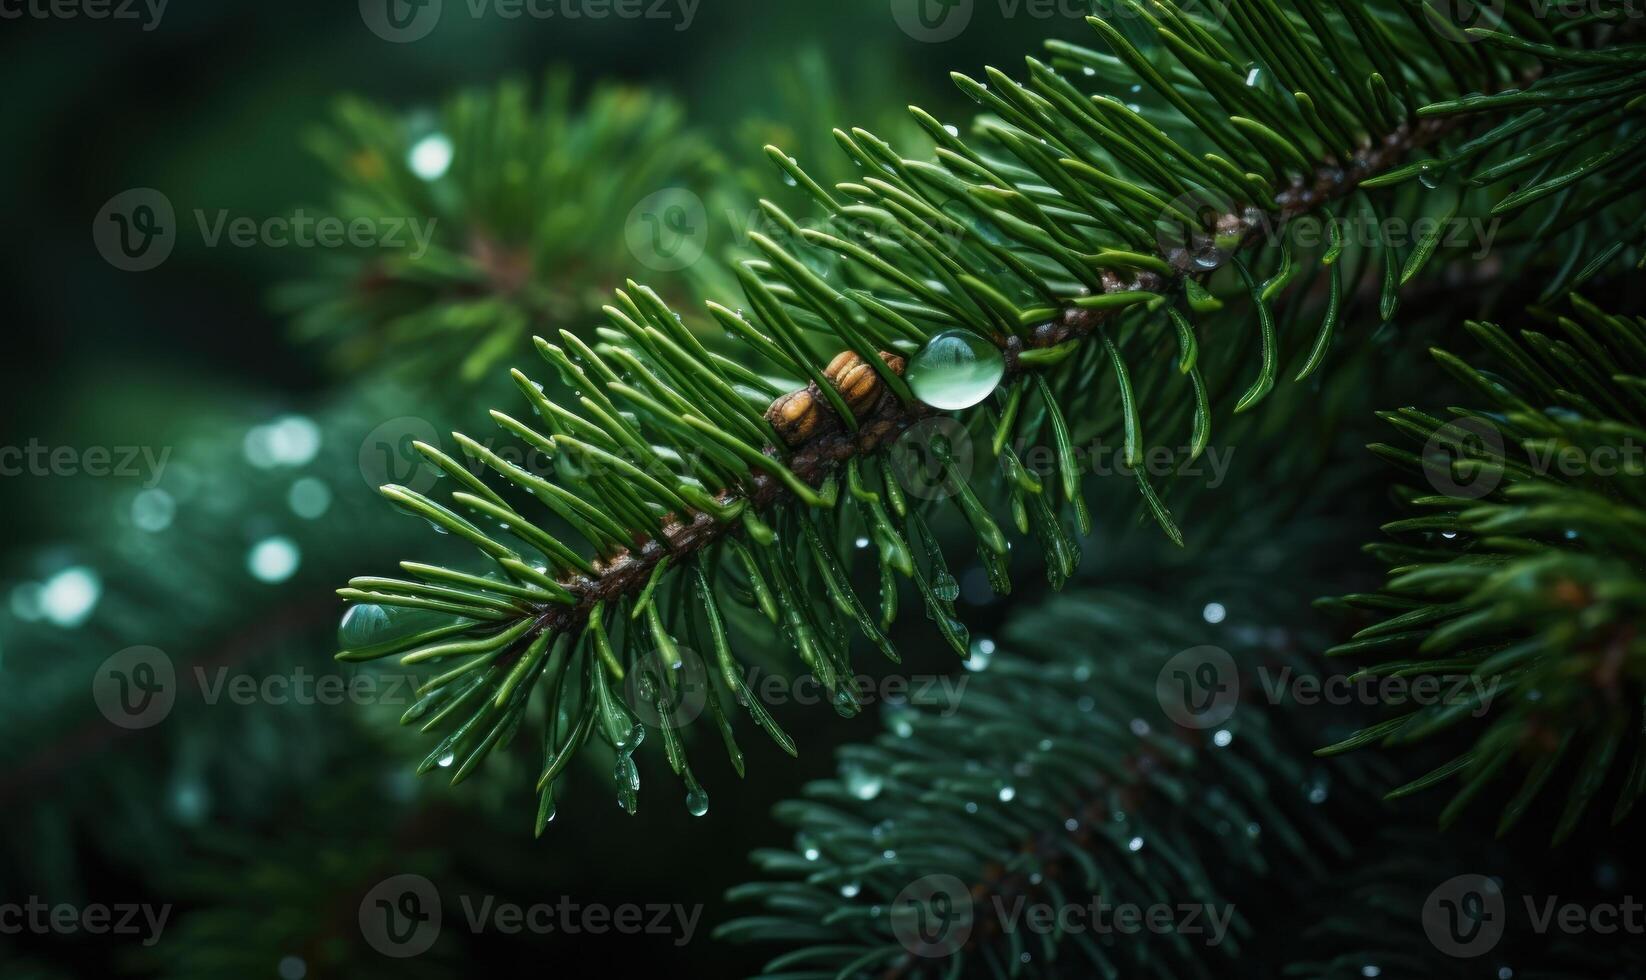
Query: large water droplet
{"type": "Point", "coordinates": [368, 624]}
{"type": "Point", "coordinates": [697, 799]}
{"type": "Point", "coordinates": [956, 369]}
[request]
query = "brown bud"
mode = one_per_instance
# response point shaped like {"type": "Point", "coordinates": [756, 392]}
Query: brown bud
{"type": "Point", "coordinates": [796, 416]}
{"type": "Point", "coordinates": [857, 381]}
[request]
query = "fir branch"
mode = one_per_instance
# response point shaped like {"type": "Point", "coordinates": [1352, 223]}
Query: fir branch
{"type": "Point", "coordinates": [1035, 246]}
{"type": "Point", "coordinates": [1521, 569]}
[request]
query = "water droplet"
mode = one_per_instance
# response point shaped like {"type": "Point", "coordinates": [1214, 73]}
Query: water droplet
{"type": "Point", "coordinates": [956, 369]}
{"type": "Point", "coordinates": [1214, 612]}
{"type": "Point", "coordinates": [1007, 794]}
{"type": "Point", "coordinates": [1429, 175]}
{"type": "Point", "coordinates": [1135, 844]}
{"type": "Point", "coordinates": [697, 800]}
{"type": "Point", "coordinates": [812, 854]}
{"type": "Point", "coordinates": [292, 968]}
{"type": "Point", "coordinates": [1222, 738]}
{"type": "Point", "coordinates": [447, 759]}
{"type": "Point", "coordinates": [850, 889]}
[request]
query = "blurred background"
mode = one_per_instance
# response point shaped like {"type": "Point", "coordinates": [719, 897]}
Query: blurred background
{"type": "Point", "coordinates": [196, 443]}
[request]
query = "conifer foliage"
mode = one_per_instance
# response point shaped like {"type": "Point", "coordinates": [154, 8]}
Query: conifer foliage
{"type": "Point", "coordinates": [1076, 253]}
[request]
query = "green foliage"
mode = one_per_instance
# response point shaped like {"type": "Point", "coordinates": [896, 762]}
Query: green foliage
{"type": "Point", "coordinates": [526, 201]}
{"type": "Point", "coordinates": [1080, 236]}
{"type": "Point", "coordinates": [1370, 920]}
{"type": "Point", "coordinates": [1523, 569]}
{"type": "Point", "coordinates": [1053, 777]}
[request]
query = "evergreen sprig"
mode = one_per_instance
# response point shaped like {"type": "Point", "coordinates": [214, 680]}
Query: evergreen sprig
{"type": "Point", "coordinates": [1065, 250]}
{"type": "Point", "coordinates": [522, 191]}
{"type": "Point", "coordinates": [1522, 570]}
{"type": "Point", "coordinates": [1054, 778]}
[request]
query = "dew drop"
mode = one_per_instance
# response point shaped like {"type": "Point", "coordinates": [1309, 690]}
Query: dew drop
{"type": "Point", "coordinates": [697, 801]}
{"type": "Point", "coordinates": [956, 369]}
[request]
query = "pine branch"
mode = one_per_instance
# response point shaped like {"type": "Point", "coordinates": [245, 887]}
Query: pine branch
{"type": "Point", "coordinates": [1521, 570]}
{"type": "Point", "coordinates": [1001, 286]}
{"type": "Point", "coordinates": [498, 212]}
{"type": "Point", "coordinates": [1054, 777]}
